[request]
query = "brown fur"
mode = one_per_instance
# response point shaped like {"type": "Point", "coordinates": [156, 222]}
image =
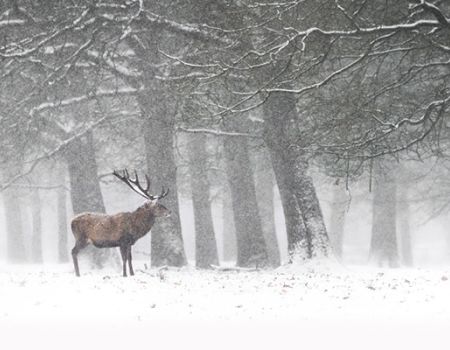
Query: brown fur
{"type": "Point", "coordinates": [119, 230]}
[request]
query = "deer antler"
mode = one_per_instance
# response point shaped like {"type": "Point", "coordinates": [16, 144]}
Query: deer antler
{"type": "Point", "coordinates": [135, 185]}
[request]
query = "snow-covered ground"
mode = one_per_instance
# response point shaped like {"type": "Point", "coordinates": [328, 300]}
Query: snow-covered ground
{"type": "Point", "coordinates": [322, 307]}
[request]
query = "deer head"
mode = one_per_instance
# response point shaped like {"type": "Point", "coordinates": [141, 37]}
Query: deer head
{"type": "Point", "coordinates": [152, 205]}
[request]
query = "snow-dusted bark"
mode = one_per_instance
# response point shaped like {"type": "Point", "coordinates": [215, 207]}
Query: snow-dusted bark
{"type": "Point", "coordinates": [305, 226]}
{"type": "Point", "coordinates": [14, 228]}
{"type": "Point", "coordinates": [383, 245]}
{"type": "Point", "coordinates": [158, 108]}
{"type": "Point", "coordinates": [251, 246]}
{"type": "Point", "coordinates": [337, 220]}
{"type": "Point", "coordinates": [85, 190]}
{"type": "Point", "coordinates": [295, 227]}
{"type": "Point", "coordinates": [318, 242]}
{"type": "Point", "coordinates": [264, 180]}
{"type": "Point", "coordinates": [166, 238]}
{"type": "Point", "coordinates": [61, 203]}
{"type": "Point", "coordinates": [36, 238]}
{"type": "Point", "coordinates": [205, 240]}
{"type": "Point", "coordinates": [278, 146]}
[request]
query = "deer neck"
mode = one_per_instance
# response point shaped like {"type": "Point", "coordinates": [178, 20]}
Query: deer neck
{"type": "Point", "coordinates": [142, 221]}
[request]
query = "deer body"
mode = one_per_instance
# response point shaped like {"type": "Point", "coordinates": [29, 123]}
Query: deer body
{"type": "Point", "coordinates": [120, 230]}
{"type": "Point", "coordinates": [112, 230]}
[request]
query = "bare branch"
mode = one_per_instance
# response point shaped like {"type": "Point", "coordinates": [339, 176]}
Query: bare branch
{"type": "Point", "coordinates": [216, 132]}
{"type": "Point", "coordinates": [124, 91]}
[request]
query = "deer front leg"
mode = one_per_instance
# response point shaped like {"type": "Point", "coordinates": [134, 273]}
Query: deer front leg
{"type": "Point", "coordinates": [123, 253]}
{"type": "Point", "coordinates": [130, 265]}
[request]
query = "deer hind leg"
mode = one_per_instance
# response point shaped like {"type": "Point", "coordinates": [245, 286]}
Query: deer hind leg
{"type": "Point", "coordinates": [124, 254]}
{"type": "Point", "coordinates": [75, 250]}
{"type": "Point", "coordinates": [130, 265]}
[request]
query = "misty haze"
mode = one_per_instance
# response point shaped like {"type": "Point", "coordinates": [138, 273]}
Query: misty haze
{"type": "Point", "coordinates": [224, 174]}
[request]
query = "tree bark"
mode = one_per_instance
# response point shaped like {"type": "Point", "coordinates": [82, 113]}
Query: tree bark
{"type": "Point", "coordinates": [404, 217]}
{"type": "Point", "coordinates": [337, 220]}
{"type": "Point", "coordinates": [36, 238]}
{"type": "Point", "coordinates": [383, 245]}
{"type": "Point", "coordinates": [264, 180]}
{"type": "Point", "coordinates": [166, 239]}
{"type": "Point", "coordinates": [295, 227]}
{"type": "Point", "coordinates": [251, 247]}
{"type": "Point", "coordinates": [205, 240]}
{"type": "Point", "coordinates": [85, 190]}
{"type": "Point", "coordinates": [61, 202]}
{"type": "Point", "coordinates": [305, 226]}
{"type": "Point", "coordinates": [158, 112]}
{"type": "Point", "coordinates": [229, 230]}
{"type": "Point", "coordinates": [311, 212]}
{"type": "Point", "coordinates": [15, 235]}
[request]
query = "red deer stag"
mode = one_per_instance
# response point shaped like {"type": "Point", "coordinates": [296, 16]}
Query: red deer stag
{"type": "Point", "coordinates": [120, 230]}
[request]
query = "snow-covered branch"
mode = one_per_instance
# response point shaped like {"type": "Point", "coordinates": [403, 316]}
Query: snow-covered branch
{"type": "Point", "coordinates": [216, 132]}
{"type": "Point", "coordinates": [193, 30]}
{"type": "Point", "coordinates": [11, 22]}
{"type": "Point", "coordinates": [10, 50]}
{"type": "Point", "coordinates": [124, 91]}
{"type": "Point", "coordinates": [48, 155]}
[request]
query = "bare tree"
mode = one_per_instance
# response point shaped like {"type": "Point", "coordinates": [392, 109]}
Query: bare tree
{"type": "Point", "coordinates": [167, 241]}
{"type": "Point", "coordinates": [205, 240]}
{"type": "Point", "coordinates": [384, 244]}
{"type": "Point", "coordinates": [339, 207]}
{"type": "Point", "coordinates": [265, 183]}
{"type": "Point", "coordinates": [14, 228]}
{"type": "Point", "coordinates": [404, 219]}
{"type": "Point", "coordinates": [251, 246]}
{"type": "Point", "coordinates": [307, 235]}
{"type": "Point", "coordinates": [36, 239]}
{"type": "Point", "coordinates": [228, 230]}
{"type": "Point", "coordinates": [61, 204]}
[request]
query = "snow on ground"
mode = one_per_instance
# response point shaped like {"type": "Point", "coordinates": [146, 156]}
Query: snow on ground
{"type": "Point", "coordinates": [323, 306]}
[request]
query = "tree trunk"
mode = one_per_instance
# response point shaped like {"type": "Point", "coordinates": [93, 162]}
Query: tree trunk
{"type": "Point", "coordinates": [337, 220]}
{"type": "Point", "coordinates": [295, 227]}
{"type": "Point", "coordinates": [264, 184]}
{"type": "Point", "coordinates": [305, 226]}
{"type": "Point", "coordinates": [404, 217]}
{"type": "Point", "coordinates": [383, 245]}
{"type": "Point", "coordinates": [205, 240]}
{"type": "Point", "coordinates": [229, 230]}
{"type": "Point", "coordinates": [251, 247]}
{"type": "Point", "coordinates": [158, 110]}
{"type": "Point", "coordinates": [36, 239]}
{"type": "Point", "coordinates": [61, 202]}
{"type": "Point", "coordinates": [14, 228]}
{"type": "Point", "coordinates": [85, 190]}
{"type": "Point", "coordinates": [166, 238]}
{"type": "Point", "coordinates": [311, 212]}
